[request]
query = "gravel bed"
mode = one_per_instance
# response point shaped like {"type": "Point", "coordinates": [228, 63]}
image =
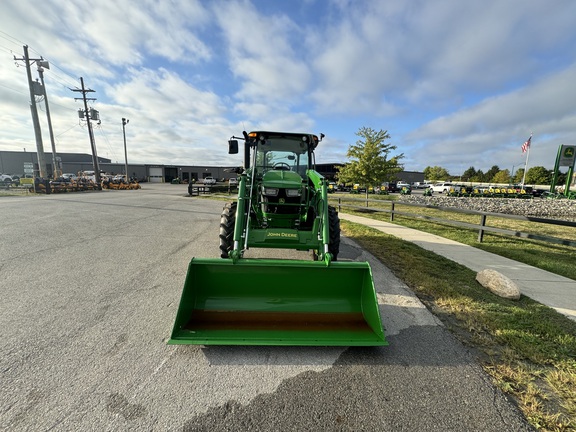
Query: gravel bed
{"type": "Point", "coordinates": [562, 209]}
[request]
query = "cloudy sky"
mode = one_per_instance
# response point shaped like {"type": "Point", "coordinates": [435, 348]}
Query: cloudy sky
{"type": "Point", "coordinates": [455, 83]}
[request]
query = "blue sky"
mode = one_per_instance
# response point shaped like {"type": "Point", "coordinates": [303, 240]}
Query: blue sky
{"type": "Point", "coordinates": [455, 83]}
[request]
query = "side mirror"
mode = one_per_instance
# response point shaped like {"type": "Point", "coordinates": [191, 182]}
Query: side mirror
{"type": "Point", "coordinates": [233, 147]}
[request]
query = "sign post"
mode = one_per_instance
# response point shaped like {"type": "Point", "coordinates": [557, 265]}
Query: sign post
{"type": "Point", "coordinates": [565, 158]}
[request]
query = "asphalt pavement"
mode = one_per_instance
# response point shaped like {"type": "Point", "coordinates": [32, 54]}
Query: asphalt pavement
{"type": "Point", "coordinates": [90, 284]}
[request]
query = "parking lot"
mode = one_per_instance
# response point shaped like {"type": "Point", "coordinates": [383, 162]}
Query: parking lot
{"type": "Point", "coordinates": [90, 284]}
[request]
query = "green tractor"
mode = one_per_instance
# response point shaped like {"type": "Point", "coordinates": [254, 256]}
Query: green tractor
{"type": "Point", "coordinates": [282, 204]}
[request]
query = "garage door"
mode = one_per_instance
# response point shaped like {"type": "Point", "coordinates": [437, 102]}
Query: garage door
{"type": "Point", "coordinates": [156, 175]}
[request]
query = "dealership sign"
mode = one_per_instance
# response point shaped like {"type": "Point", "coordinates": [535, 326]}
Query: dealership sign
{"type": "Point", "coordinates": [567, 156]}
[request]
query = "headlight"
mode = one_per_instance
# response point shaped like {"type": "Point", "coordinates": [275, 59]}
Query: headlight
{"type": "Point", "coordinates": [292, 192]}
{"type": "Point", "coordinates": [270, 191]}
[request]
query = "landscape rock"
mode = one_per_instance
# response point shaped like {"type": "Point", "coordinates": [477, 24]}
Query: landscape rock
{"type": "Point", "coordinates": [562, 209]}
{"type": "Point", "coordinates": [498, 284]}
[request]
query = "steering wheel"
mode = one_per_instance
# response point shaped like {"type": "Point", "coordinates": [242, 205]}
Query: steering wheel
{"type": "Point", "coordinates": [282, 166]}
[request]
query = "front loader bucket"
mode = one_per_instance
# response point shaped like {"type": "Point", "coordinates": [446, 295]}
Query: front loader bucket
{"type": "Point", "coordinates": [278, 302]}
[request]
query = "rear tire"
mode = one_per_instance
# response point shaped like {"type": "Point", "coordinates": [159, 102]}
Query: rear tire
{"type": "Point", "coordinates": [334, 229]}
{"type": "Point", "coordinates": [227, 222]}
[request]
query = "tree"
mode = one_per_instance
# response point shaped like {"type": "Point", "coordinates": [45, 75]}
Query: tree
{"type": "Point", "coordinates": [436, 173]}
{"type": "Point", "coordinates": [479, 177]}
{"type": "Point", "coordinates": [518, 175]}
{"type": "Point", "coordinates": [502, 176]}
{"type": "Point", "coordinates": [370, 161]}
{"type": "Point", "coordinates": [489, 176]}
{"type": "Point", "coordinates": [539, 175]}
{"type": "Point", "coordinates": [469, 174]}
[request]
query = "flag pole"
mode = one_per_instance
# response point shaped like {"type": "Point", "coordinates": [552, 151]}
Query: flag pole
{"type": "Point", "coordinates": [529, 144]}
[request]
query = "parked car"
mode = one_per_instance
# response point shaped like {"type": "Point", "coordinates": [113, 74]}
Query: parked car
{"type": "Point", "coordinates": [5, 178]}
{"type": "Point", "coordinates": [70, 176]}
{"type": "Point", "coordinates": [391, 186]}
{"type": "Point", "coordinates": [442, 187]}
{"type": "Point", "coordinates": [420, 185]}
{"type": "Point", "coordinates": [209, 181]}
{"type": "Point", "coordinates": [233, 181]}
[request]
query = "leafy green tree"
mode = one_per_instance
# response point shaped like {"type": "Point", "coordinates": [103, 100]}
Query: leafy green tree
{"type": "Point", "coordinates": [370, 161]}
{"type": "Point", "coordinates": [469, 174]}
{"type": "Point", "coordinates": [502, 176]}
{"type": "Point", "coordinates": [518, 175]}
{"type": "Point", "coordinates": [479, 177]}
{"type": "Point", "coordinates": [436, 173]}
{"type": "Point", "coordinates": [489, 176]}
{"type": "Point", "coordinates": [538, 175]}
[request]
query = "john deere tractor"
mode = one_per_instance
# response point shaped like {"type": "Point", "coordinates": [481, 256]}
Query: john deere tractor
{"type": "Point", "coordinates": [282, 203]}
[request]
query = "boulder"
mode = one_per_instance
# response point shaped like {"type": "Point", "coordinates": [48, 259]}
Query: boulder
{"type": "Point", "coordinates": [499, 284]}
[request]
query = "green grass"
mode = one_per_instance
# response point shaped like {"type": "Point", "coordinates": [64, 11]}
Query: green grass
{"type": "Point", "coordinates": [547, 256]}
{"type": "Point", "coordinates": [528, 348]}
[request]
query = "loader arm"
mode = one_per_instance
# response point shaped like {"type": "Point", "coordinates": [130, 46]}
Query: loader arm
{"type": "Point", "coordinates": [242, 215]}
{"type": "Point", "coordinates": [321, 189]}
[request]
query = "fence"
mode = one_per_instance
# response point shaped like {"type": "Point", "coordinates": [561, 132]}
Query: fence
{"type": "Point", "coordinates": [481, 227]}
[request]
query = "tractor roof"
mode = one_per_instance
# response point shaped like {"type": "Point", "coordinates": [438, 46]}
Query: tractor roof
{"type": "Point", "coordinates": [288, 135]}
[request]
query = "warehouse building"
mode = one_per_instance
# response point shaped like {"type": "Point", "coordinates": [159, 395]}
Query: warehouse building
{"type": "Point", "coordinates": [19, 163]}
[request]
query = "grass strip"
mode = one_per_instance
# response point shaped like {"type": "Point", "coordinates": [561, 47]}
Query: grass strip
{"type": "Point", "coordinates": [554, 258]}
{"type": "Point", "coordinates": [529, 349]}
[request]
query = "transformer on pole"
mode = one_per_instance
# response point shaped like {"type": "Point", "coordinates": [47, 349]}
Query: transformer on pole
{"type": "Point", "coordinates": [88, 115]}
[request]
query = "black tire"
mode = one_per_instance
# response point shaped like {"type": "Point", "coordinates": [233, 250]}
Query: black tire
{"type": "Point", "coordinates": [227, 221]}
{"type": "Point", "coordinates": [334, 229]}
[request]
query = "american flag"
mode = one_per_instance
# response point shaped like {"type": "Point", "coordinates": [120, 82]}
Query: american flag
{"type": "Point", "coordinates": [526, 145]}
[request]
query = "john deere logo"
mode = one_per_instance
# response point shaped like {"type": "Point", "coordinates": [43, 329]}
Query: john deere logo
{"type": "Point", "coordinates": [567, 155]}
{"type": "Point", "coordinates": [273, 234]}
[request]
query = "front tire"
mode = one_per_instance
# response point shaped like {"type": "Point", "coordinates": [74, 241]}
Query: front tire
{"type": "Point", "coordinates": [334, 229]}
{"type": "Point", "coordinates": [227, 222]}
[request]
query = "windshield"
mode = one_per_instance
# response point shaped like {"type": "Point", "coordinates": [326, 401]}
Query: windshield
{"type": "Point", "coordinates": [282, 154]}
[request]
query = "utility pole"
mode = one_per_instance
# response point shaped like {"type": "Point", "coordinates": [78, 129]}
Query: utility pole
{"type": "Point", "coordinates": [55, 168]}
{"type": "Point", "coordinates": [88, 116]}
{"type": "Point", "coordinates": [35, 120]}
{"type": "Point", "coordinates": [124, 123]}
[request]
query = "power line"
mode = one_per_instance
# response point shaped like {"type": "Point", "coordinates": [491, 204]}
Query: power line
{"type": "Point", "coordinates": [13, 89]}
{"type": "Point", "coordinates": [11, 38]}
{"type": "Point", "coordinates": [61, 81]}
{"type": "Point", "coordinates": [101, 129]}
{"type": "Point", "coordinates": [67, 130]}
{"type": "Point", "coordinates": [14, 40]}
{"type": "Point", "coordinates": [8, 50]}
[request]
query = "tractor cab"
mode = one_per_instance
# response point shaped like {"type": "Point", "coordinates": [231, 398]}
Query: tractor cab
{"type": "Point", "coordinates": [280, 162]}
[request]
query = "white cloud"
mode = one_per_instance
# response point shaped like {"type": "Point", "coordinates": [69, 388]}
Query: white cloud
{"type": "Point", "coordinates": [261, 55]}
{"type": "Point", "coordinates": [165, 94]}
{"type": "Point", "coordinates": [453, 82]}
{"type": "Point", "coordinates": [492, 131]}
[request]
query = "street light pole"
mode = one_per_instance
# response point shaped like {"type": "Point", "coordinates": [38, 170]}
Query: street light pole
{"type": "Point", "coordinates": [512, 174]}
{"type": "Point", "coordinates": [124, 123]}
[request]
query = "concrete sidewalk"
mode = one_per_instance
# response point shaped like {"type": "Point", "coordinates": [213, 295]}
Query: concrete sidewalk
{"type": "Point", "coordinates": [547, 288]}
